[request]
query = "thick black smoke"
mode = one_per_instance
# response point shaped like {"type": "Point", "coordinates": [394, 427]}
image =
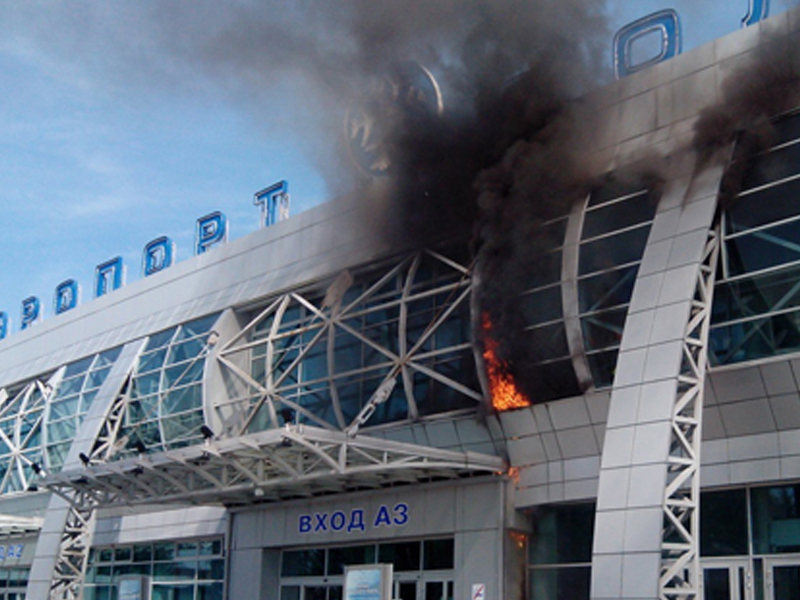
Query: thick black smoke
{"type": "Point", "coordinates": [763, 86]}
{"type": "Point", "coordinates": [498, 161]}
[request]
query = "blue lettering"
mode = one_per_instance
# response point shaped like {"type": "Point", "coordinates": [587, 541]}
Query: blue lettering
{"type": "Point", "coordinates": [108, 276]}
{"type": "Point", "coordinates": [665, 24]}
{"type": "Point", "coordinates": [401, 514]}
{"type": "Point", "coordinates": [274, 203]}
{"type": "Point", "coordinates": [2, 552]}
{"type": "Point", "coordinates": [4, 323]}
{"type": "Point", "coordinates": [157, 256]}
{"type": "Point", "coordinates": [338, 520]}
{"type": "Point", "coordinates": [31, 311]}
{"type": "Point", "coordinates": [322, 522]}
{"type": "Point", "coordinates": [383, 518]}
{"type": "Point", "coordinates": [356, 520]}
{"type": "Point", "coordinates": [211, 229]}
{"type": "Point", "coordinates": [757, 10]}
{"type": "Point", "coordinates": [305, 523]}
{"type": "Point", "coordinates": [67, 294]}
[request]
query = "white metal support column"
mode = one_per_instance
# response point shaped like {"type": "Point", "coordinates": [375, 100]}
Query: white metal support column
{"type": "Point", "coordinates": [646, 521]}
{"type": "Point", "coordinates": [57, 569]}
{"type": "Point", "coordinates": [680, 551]}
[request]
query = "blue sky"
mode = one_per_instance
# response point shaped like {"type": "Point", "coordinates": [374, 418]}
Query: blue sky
{"type": "Point", "coordinates": [119, 124]}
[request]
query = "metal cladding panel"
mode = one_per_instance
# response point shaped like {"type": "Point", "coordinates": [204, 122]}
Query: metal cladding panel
{"type": "Point", "coordinates": [310, 247]}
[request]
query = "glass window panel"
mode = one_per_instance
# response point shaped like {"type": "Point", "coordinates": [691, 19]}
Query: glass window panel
{"type": "Point", "coordinates": [64, 408]}
{"type": "Point", "coordinates": [757, 338]}
{"type": "Point", "coordinates": [603, 330]}
{"type": "Point", "coordinates": [61, 430]}
{"type": "Point", "coordinates": [101, 592]}
{"type": "Point", "coordinates": [142, 553]}
{"type": "Point", "coordinates": [86, 401]}
{"type": "Point", "coordinates": [724, 523]}
{"type": "Point", "coordinates": [197, 327]}
{"type": "Point", "coordinates": [159, 340]}
{"type": "Point", "coordinates": [182, 400]}
{"type": "Point", "coordinates": [298, 563]}
{"type": "Point", "coordinates": [57, 453]}
{"type": "Point", "coordinates": [603, 365]}
{"type": "Point", "coordinates": [787, 129]}
{"type": "Point", "coordinates": [339, 558]}
{"type": "Point", "coordinates": [290, 592]}
{"type": "Point", "coordinates": [211, 569]}
{"type": "Point", "coordinates": [210, 591]}
{"type": "Point", "coordinates": [96, 378]}
{"type": "Point", "coordinates": [405, 556]}
{"type": "Point", "coordinates": [100, 574]}
{"type": "Point", "coordinates": [258, 370]}
{"type": "Point", "coordinates": [773, 165]}
{"type": "Point", "coordinates": [618, 215]}
{"type": "Point", "coordinates": [144, 385]}
{"type": "Point", "coordinates": [547, 269]}
{"type": "Point", "coordinates": [547, 342]}
{"type": "Point", "coordinates": [164, 551]}
{"type": "Point", "coordinates": [122, 569]}
{"type": "Point", "coordinates": [315, 364]}
{"type": "Point", "coordinates": [210, 547]}
{"type": "Point", "coordinates": [439, 554]}
{"type": "Point", "coordinates": [556, 379]}
{"type": "Point", "coordinates": [764, 248]}
{"type": "Point", "coordinates": [316, 592]}
{"type": "Point", "coordinates": [613, 251]}
{"type": "Point", "coordinates": [176, 570]}
{"type": "Point", "coordinates": [187, 549]}
{"type": "Point", "coordinates": [609, 289]}
{"type": "Point", "coordinates": [566, 583]}
{"type": "Point", "coordinates": [541, 306]}
{"type": "Point", "coordinates": [185, 351]}
{"type": "Point", "coordinates": [182, 426]}
{"type": "Point", "coordinates": [763, 207]}
{"type": "Point", "coordinates": [173, 592]}
{"type": "Point", "coordinates": [108, 357]}
{"type": "Point", "coordinates": [79, 366]}
{"type": "Point", "coordinates": [615, 186]}
{"type": "Point", "coordinates": [152, 360]}
{"type": "Point", "coordinates": [563, 534]}
{"type": "Point", "coordinates": [786, 581]}
{"type": "Point", "coordinates": [776, 519]}
{"type": "Point", "coordinates": [70, 386]}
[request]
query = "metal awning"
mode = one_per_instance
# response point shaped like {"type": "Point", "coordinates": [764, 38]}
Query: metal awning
{"type": "Point", "coordinates": [293, 462]}
{"type": "Point", "coordinates": [15, 525]}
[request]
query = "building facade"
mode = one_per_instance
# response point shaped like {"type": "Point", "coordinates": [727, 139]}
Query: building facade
{"type": "Point", "coordinates": [249, 422]}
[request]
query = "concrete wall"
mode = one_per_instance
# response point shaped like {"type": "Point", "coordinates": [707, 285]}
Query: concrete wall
{"type": "Point", "coordinates": [472, 512]}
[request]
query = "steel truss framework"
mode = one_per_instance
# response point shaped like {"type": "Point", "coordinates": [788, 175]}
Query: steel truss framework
{"type": "Point", "coordinates": [21, 432]}
{"type": "Point", "coordinates": [397, 344]}
{"type": "Point", "coordinates": [68, 573]}
{"type": "Point", "coordinates": [291, 462]}
{"type": "Point", "coordinates": [260, 455]}
{"type": "Point", "coordinates": [680, 567]}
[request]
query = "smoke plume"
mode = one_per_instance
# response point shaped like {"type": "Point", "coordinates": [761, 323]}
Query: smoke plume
{"type": "Point", "coordinates": [765, 85]}
{"type": "Point", "coordinates": [494, 163]}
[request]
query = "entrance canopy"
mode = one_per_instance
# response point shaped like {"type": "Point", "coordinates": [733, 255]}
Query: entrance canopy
{"type": "Point", "coordinates": [15, 525]}
{"type": "Point", "coordinates": [293, 462]}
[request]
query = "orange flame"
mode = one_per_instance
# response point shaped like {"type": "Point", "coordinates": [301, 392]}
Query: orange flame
{"type": "Point", "coordinates": [505, 395]}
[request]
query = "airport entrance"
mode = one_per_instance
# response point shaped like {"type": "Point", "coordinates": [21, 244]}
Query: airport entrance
{"type": "Point", "coordinates": [727, 580]}
{"type": "Point", "coordinates": [782, 578]}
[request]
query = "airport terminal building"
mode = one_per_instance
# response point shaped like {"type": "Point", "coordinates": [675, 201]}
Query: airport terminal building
{"type": "Point", "coordinates": [249, 422]}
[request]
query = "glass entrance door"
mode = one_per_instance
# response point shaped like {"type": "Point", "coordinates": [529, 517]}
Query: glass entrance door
{"type": "Point", "coordinates": [782, 578]}
{"type": "Point", "coordinates": [425, 588]}
{"type": "Point", "coordinates": [727, 580]}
